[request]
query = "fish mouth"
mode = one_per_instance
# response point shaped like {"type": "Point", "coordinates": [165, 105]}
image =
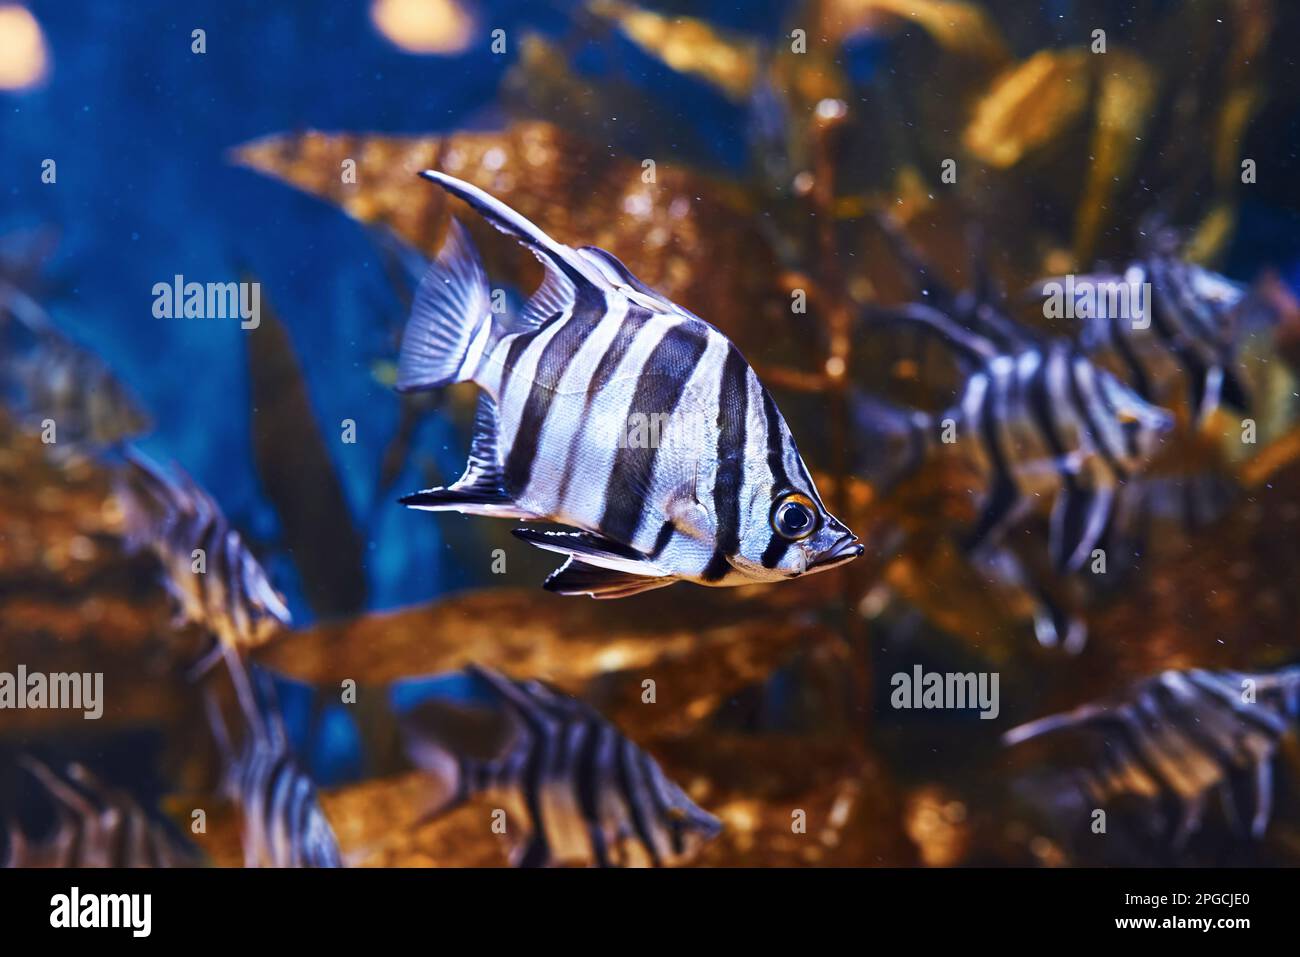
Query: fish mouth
{"type": "Point", "coordinates": [845, 550]}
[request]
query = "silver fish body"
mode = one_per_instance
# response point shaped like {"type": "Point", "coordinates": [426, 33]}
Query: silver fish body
{"type": "Point", "coordinates": [610, 409]}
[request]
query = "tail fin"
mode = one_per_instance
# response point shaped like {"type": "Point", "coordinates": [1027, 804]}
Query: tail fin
{"type": "Point", "coordinates": [893, 442]}
{"type": "Point", "coordinates": [451, 326]}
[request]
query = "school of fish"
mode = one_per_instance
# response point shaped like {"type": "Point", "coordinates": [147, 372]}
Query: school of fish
{"type": "Point", "coordinates": [1063, 426]}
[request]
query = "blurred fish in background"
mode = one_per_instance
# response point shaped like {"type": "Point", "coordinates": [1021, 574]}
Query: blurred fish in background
{"type": "Point", "coordinates": [282, 823]}
{"type": "Point", "coordinates": [589, 795]}
{"type": "Point", "coordinates": [92, 825]}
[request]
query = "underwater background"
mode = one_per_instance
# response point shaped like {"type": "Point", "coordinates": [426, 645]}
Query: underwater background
{"type": "Point", "coordinates": [772, 166]}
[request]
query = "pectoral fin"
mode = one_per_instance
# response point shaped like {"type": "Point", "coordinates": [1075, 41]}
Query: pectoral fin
{"type": "Point", "coordinates": [481, 490]}
{"type": "Point", "coordinates": [593, 550]}
{"type": "Point", "coordinates": [579, 578]}
{"type": "Point", "coordinates": [597, 566]}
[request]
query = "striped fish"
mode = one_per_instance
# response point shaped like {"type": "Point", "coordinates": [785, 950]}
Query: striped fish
{"type": "Point", "coordinates": [1041, 422]}
{"type": "Point", "coordinates": [1181, 736]}
{"type": "Point", "coordinates": [231, 599]}
{"type": "Point", "coordinates": [1191, 337]}
{"type": "Point", "coordinates": [48, 376]}
{"type": "Point", "coordinates": [94, 826]}
{"type": "Point", "coordinates": [1188, 343]}
{"type": "Point", "coordinates": [1038, 423]}
{"type": "Point", "coordinates": [611, 410]}
{"type": "Point", "coordinates": [1191, 500]}
{"type": "Point", "coordinates": [283, 824]}
{"type": "Point", "coordinates": [588, 795]}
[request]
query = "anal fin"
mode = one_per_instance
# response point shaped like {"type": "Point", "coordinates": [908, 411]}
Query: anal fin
{"type": "Point", "coordinates": [592, 549]}
{"type": "Point", "coordinates": [481, 490]}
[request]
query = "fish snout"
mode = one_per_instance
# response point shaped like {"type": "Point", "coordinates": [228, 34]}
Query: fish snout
{"type": "Point", "coordinates": [844, 549]}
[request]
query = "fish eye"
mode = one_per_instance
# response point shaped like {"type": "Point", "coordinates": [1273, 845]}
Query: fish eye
{"type": "Point", "coordinates": [794, 517]}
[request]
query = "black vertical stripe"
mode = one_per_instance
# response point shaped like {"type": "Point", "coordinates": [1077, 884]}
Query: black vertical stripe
{"type": "Point", "coordinates": [1187, 718]}
{"type": "Point", "coordinates": [1201, 315]}
{"type": "Point", "coordinates": [733, 405]}
{"type": "Point", "coordinates": [1000, 407]}
{"type": "Point", "coordinates": [587, 784]}
{"type": "Point", "coordinates": [298, 816]}
{"type": "Point", "coordinates": [278, 775]}
{"type": "Point", "coordinates": [1042, 410]}
{"type": "Point", "coordinates": [1084, 404]}
{"type": "Point", "coordinates": [717, 568]}
{"type": "Point", "coordinates": [651, 774]}
{"type": "Point", "coordinates": [1004, 488]}
{"type": "Point", "coordinates": [658, 389]}
{"type": "Point", "coordinates": [633, 321]}
{"type": "Point", "coordinates": [588, 310]}
{"type": "Point", "coordinates": [775, 446]}
{"type": "Point", "coordinates": [1168, 328]}
{"type": "Point", "coordinates": [635, 318]}
{"type": "Point", "coordinates": [533, 782]}
{"type": "Point", "coordinates": [777, 545]}
{"type": "Point", "coordinates": [1135, 736]}
{"type": "Point", "coordinates": [1168, 282]}
{"type": "Point", "coordinates": [1112, 412]}
{"type": "Point", "coordinates": [520, 343]}
{"type": "Point", "coordinates": [1138, 374]}
{"type": "Point", "coordinates": [661, 542]}
{"type": "Point", "coordinates": [625, 771]}
{"type": "Point", "coordinates": [540, 737]}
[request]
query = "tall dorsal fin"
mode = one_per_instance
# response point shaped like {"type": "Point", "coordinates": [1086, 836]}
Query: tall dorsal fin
{"type": "Point", "coordinates": [613, 269]}
{"type": "Point", "coordinates": [551, 253]}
